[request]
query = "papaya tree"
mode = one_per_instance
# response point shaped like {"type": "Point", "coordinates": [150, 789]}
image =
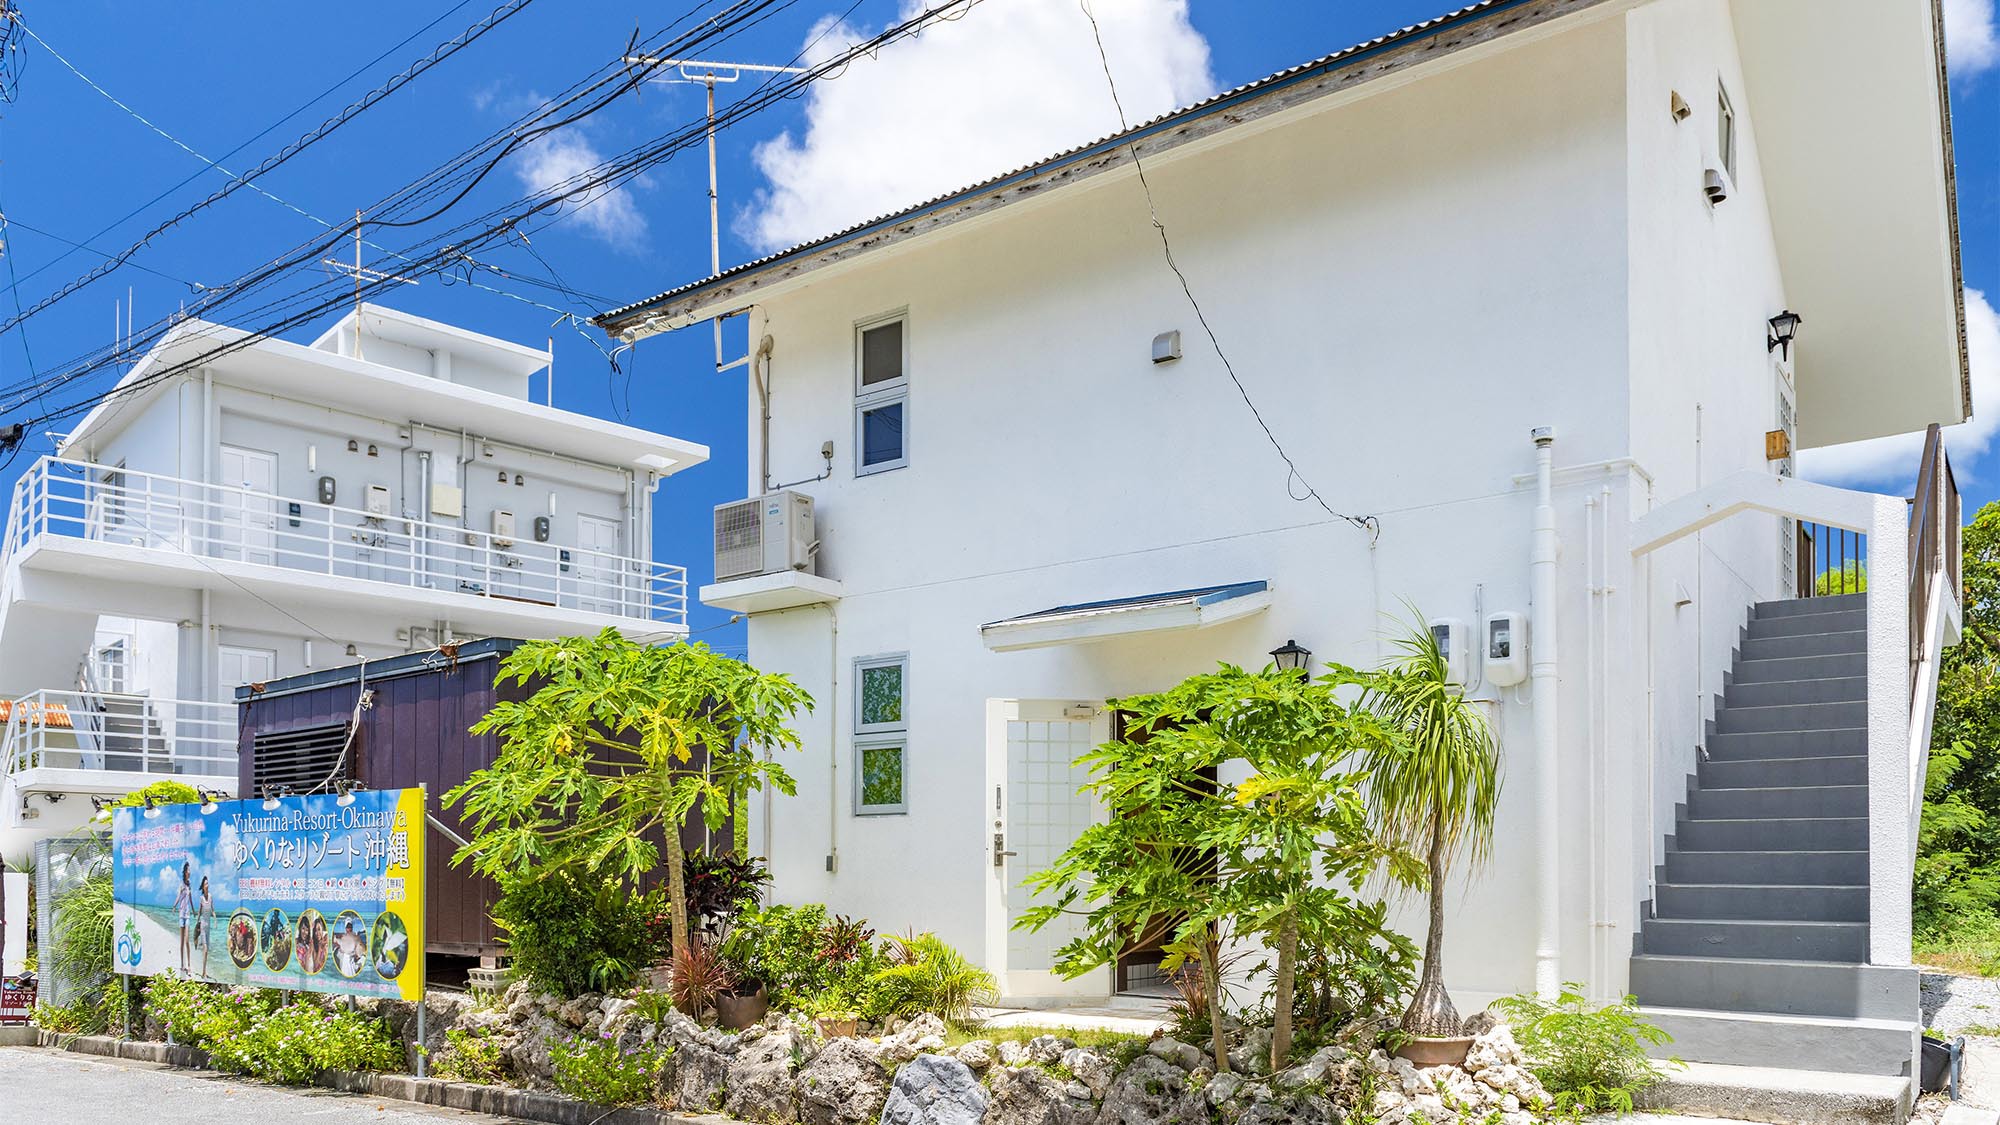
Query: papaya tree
{"type": "Point", "coordinates": [1229, 815]}
{"type": "Point", "coordinates": [618, 746]}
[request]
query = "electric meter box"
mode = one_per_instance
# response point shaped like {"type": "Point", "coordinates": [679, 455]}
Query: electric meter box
{"type": "Point", "coordinates": [1505, 636]}
{"type": "Point", "coordinates": [1454, 642]}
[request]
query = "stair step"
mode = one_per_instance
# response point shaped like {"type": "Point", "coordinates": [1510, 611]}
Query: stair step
{"type": "Point", "coordinates": [1823, 689]}
{"type": "Point", "coordinates": [1789, 802]}
{"type": "Point", "coordinates": [1834, 603]}
{"type": "Point", "coordinates": [1773, 834]}
{"type": "Point", "coordinates": [1765, 773]}
{"type": "Point", "coordinates": [1790, 717]}
{"type": "Point", "coordinates": [1809, 644]}
{"type": "Point", "coordinates": [1821, 868]}
{"type": "Point", "coordinates": [1779, 1095]}
{"type": "Point", "coordinates": [1799, 624]}
{"type": "Point", "coordinates": [1800, 668]}
{"type": "Point", "coordinates": [1798, 988]}
{"type": "Point", "coordinates": [1768, 902]}
{"type": "Point", "coordinates": [1736, 937]}
{"type": "Point", "coordinates": [1850, 1045]}
{"type": "Point", "coordinates": [1746, 745]}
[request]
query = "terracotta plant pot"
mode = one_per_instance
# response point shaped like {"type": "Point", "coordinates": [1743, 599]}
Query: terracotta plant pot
{"type": "Point", "coordinates": [1436, 1052]}
{"type": "Point", "coordinates": [738, 1010]}
{"type": "Point", "coordinates": [837, 1029]}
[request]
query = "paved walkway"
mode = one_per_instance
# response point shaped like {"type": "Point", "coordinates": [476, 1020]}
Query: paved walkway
{"type": "Point", "coordinates": [47, 1087]}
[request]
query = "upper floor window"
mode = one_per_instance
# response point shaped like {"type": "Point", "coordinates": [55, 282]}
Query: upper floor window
{"type": "Point", "coordinates": [881, 394]}
{"type": "Point", "coordinates": [1725, 124]}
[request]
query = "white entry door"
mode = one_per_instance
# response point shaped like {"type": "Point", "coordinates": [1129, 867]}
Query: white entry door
{"type": "Point", "coordinates": [600, 576]}
{"type": "Point", "coordinates": [248, 525]}
{"type": "Point", "coordinates": [1036, 812]}
{"type": "Point", "coordinates": [236, 665]}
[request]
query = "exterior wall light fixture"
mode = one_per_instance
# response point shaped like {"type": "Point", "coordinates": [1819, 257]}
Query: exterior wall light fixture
{"type": "Point", "coordinates": [1784, 329]}
{"type": "Point", "coordinates": [1291, 657]}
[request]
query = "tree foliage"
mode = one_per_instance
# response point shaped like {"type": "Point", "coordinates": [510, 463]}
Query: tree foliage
{"type": "Point", "coordinates": [1272, 856]}
{"type": "Point", "coordinates": [1958, 860]}
{"type": "Point", "coordinates": [1434, 791]}
{"type": "Point", "coordinates": [617, 747]}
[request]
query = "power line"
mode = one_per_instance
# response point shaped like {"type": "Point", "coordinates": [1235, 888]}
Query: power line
{"type": "Point", "coordinates": [471, 35]}
{"type": "Point", "coordinates": [255, 137]}
{"type": "Point", "coordinates": [1366, 523]}
{"type": "Point", "coordinates": [583, 184]}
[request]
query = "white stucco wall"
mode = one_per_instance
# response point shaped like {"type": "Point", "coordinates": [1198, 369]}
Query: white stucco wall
{"type": "Point", "coordinates": [1405, 304]}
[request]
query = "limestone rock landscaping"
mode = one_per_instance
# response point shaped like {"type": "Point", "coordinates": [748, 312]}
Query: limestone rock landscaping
{"type": "Point", "coordinates": [783, 1072]}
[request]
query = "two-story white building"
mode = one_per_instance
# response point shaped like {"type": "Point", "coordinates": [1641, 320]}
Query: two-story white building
{"type": "Point", "coordinates": [244, 508]}
{"type": "Point", "coordinates": [1511, 289]}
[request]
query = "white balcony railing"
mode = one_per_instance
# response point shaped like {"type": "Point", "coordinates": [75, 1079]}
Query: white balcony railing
{"type": "Point", "coordinates": [72, 499]}
{"type": "Point", "coordinates": [130, 733]}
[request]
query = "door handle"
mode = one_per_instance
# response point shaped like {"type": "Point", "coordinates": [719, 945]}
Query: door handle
{"type": "Point", "coordinates": [1000, 852]}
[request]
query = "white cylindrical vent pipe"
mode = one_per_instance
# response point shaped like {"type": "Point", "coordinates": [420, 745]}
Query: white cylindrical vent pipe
{"type": "Point", "coordinates": [1542, 680]}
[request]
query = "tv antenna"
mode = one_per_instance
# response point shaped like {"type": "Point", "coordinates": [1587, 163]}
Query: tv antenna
{"type": "Point", "coordinates": [361, 273]}
{"type": "Point", "coordinates": [707, 73]}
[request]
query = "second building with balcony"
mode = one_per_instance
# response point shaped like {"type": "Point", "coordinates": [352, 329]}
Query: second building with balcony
{"type": "Point", "coordinates": [243, 508]}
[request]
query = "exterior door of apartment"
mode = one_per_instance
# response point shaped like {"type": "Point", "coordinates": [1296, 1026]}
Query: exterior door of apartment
{"type": "Point", "coordinates": [247, 524]}
{"type": "Point", "coordinates": [236, 665]}
{"type": "Point", "coordinates": [1035, 813]}
{"type": "Point", "coordinates": [598, 566]}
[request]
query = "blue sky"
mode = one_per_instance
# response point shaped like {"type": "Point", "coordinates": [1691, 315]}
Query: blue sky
{"type": "Point", "coordinates": [74, 166]}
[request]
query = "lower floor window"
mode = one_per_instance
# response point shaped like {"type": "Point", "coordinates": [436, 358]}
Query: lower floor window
{"type": "Point", "coordinates": [880, 776]}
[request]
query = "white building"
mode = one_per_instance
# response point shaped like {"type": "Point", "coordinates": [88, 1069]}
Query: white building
{"type": "Point", "coordinates": [1573, 214]}
{"type": "Point", "coordinates": [242, 508]}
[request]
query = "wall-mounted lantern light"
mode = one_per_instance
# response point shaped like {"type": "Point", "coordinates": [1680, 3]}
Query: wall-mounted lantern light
{"type": "Point", "coordinates": [1784, 329]}
{"type": "Point", "coordinates": [1291, 657]}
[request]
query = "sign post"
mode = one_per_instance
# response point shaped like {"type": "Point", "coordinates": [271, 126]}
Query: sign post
{"type": "Point", "coordinates": [320, 893]}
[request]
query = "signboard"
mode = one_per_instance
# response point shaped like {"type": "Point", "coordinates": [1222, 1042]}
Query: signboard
{"type": "Point", "coordinates": [322, 893]}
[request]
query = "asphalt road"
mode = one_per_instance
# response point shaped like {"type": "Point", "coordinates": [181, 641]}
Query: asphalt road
{"type": "Point", "coordinates": [41, 1087]}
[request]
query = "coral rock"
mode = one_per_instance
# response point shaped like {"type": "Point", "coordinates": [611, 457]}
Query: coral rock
{"type": "Point", "coordinates": [843, 1085]}
{"type": "Point", "coordinates": [700, 1076]}
{"type": "Point", "coordinates": [1028, 1096]}
{"type": "Point", "coordinates": [1187, 1056]}
{"type": "Point", "coordinates": [1153, 1091]}
{"type": "Point", "coordinates": [761, 1083]}
{"type": "Point", "coordinates": [976, 1053]}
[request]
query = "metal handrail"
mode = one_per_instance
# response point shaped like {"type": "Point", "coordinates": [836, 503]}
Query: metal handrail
{"type": "Point", "coordinates": [1935, 513]}
{"type": "Point", "coordinates": [79, 500]}
{"type": "Point", "coordinates": [76, 730]}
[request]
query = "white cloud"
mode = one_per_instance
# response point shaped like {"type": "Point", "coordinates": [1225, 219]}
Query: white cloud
{"type": "Point", "coordinates": [609, 214]}
{"type": "Point", "coordinates": [1892, 461]}
{"type": "Point", "coordinates": [1006, 84]}
{"type": "Point", "coordinates": [1971, 43]}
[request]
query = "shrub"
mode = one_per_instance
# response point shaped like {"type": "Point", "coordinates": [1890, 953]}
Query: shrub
{"type": "Point", "coordinates": [698, 977]}
{"type": "Point", "coordinates": [801, 955]}
{"type": "Point", "coordinates": [720, 887]}
{"type": "Point", "coordinates": [571, 932]}
{"type": "Point", "coordinates": [470, 1056]}
{"type": "Point", "coordinates": [598, 1070]}
{"type": "Point", "coordinates": [923, 974]}
{"type": "Point", "coordinates": [1592, 1060]}
{"type": "Point", "coordinates": [247, 1031]}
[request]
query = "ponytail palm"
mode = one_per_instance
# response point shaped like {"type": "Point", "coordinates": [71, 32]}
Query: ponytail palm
{"type": "Point", "coordinates": [1433, 793]}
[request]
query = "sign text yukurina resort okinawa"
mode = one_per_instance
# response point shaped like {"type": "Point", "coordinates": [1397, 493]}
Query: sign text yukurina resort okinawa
{"type": "Point", "coordinates": [320, 893]}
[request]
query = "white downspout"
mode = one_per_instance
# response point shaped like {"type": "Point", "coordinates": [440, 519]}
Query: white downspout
{"type": "Point", "coordinates": [1542, 678]}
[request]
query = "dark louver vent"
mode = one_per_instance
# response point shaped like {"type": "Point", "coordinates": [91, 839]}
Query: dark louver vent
{"type": "Point", "coordinates": [299, 760]}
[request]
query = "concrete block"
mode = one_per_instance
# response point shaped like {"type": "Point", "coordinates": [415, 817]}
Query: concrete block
{"type": "Point", "coordinates": [1781, 1097]}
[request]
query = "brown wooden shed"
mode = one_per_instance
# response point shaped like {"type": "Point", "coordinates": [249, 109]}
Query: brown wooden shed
{"type": "Point", "coordinates": [413, 730]}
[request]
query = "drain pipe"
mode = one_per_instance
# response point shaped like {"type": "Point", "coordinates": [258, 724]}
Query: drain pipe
{"type": "Point", "coordinates": [760, 373]}
{"type": "Point", "coordinates": [1542, 678]}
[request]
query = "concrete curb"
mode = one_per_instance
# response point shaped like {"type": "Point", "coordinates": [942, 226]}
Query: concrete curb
{"type": "Point", "coordinates": [501, 1101]}
{"type": "Point", "coordinates": [1779, 1097]}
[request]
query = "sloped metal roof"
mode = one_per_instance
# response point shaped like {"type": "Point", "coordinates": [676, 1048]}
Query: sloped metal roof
{"type": "Point", "coordinates": [612, 321]}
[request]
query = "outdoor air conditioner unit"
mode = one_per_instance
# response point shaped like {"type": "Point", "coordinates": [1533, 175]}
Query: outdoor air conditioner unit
{"type": "Point", "coordinates": [766, 534]}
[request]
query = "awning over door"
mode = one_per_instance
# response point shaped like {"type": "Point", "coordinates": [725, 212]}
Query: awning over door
{"type": "Point", "coordinates": [1120, 617]}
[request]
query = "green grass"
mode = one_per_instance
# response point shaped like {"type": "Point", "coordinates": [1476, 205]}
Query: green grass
{"type": "Point", "coordinates": [1081, 1036]}
{"type": "Point", "coordinates": [1970, 948]}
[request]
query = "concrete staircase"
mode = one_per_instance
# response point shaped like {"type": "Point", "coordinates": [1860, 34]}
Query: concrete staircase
{"type": "Point", "coordinates": [1754, 949]}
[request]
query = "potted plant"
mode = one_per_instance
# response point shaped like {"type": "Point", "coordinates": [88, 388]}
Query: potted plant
{"type": "Point", "coordinates": [1434, 794]}
{"type": "Point", "coordinates": [748, 996]}
{"type": "Point", "coordinates": [837, 1020]}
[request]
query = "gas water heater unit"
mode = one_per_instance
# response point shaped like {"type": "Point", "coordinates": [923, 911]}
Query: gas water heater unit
{"type": "Point", "coordinates": [1506, 639]}
{"type": "Point", "coordinates": [1453, 643]}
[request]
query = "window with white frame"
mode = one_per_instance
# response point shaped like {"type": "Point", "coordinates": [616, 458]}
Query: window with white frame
{"type": "Point", "coordinates": [881, 394]}
{"type": "Point", "coordinates": [1725, 131]}
{"type": "Point", "coordinates": [113, 670]}
{"type": "Point", "coordinates": [881, 734]}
